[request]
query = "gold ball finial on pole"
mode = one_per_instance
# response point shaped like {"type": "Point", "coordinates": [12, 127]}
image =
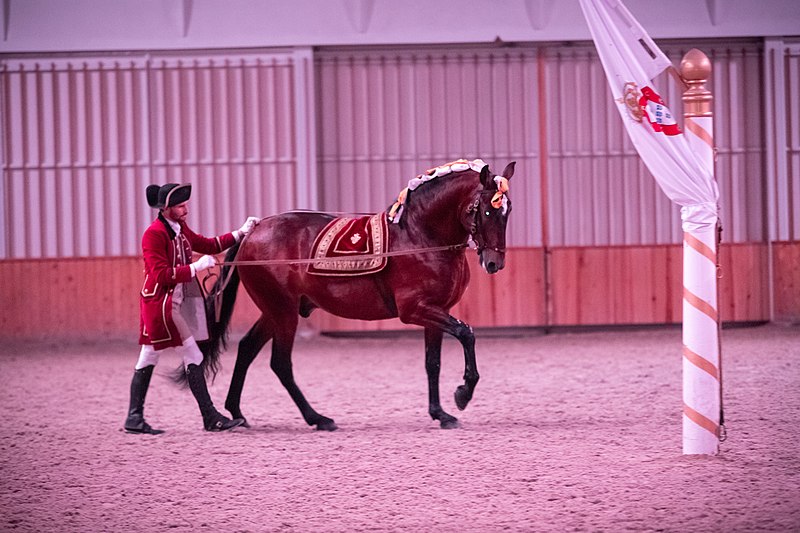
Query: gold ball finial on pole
{"type": "Point", "coordinates": [695, 69]}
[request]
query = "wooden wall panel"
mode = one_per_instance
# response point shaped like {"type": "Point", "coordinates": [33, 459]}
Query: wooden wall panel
{"type": "Point", "coordinates": [744, 282]}
{"type": "Point", "coordinates": [71, 298]}
{"type": "Point", "coordinates": [787, 281]}
{"type": "Point", "coordinates": [91, 298]}
{"type": "Point", "coordinates": [643, 285]}
{"type": "Point", "coordinates": [512, 297]}
{"type": "Point", "coordinates": [616, 285]}
{"type": "Point", "coordinates": [81, 299]}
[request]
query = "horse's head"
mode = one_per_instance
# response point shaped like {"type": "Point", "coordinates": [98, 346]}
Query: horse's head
{"type": "Point", "coordinates": [491, 209]}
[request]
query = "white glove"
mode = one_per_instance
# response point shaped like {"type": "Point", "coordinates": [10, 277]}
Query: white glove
{"type": "Point", "coordinates": [248, 226]}
{"type": "Point", "coordinates": [204, 263]}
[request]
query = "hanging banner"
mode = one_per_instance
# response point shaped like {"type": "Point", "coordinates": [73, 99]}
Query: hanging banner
{"type": "Point", "coordinates": [631, 60]}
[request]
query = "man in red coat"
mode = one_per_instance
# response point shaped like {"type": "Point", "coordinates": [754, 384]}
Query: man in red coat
{"type": "Point", "coordinates": [172, 304]}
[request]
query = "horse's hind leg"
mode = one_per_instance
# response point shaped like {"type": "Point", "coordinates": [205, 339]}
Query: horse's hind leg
{"type": "Point", "coordinates": [249, 347]}
{"type": "Point", "coordinates": [281, 364]}
{"type": "Point", "coordinates": [433, 359]}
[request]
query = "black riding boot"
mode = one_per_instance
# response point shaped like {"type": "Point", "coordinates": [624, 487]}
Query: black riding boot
{"type": "Point", "coordinates": [135, 422]}
{"type": "Point", "coordinates": [213, 420]}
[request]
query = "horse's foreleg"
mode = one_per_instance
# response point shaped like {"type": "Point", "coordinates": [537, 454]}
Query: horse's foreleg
{"type": "Point", "coordinates": [249, 347]}
{"type": "Point", "coordinates": [281, 364]}
{"type": "Point", "coordinates": [433, 359]}
{"type": "Point", "coordinates": [465, 335]}
{"type": "Point", "coordinates": [431, 317]}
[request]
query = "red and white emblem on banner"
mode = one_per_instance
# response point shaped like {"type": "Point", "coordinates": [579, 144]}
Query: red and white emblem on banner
{"type": "Point", "coordinates": [657, 112]}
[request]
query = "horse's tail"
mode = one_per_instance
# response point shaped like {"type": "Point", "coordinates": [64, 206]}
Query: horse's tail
{"type": "Point", "coordinates": [228, 284]}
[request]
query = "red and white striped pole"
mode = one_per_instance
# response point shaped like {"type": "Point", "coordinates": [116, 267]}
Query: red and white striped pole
{"type": "Point", "coordinates": [702, 378]}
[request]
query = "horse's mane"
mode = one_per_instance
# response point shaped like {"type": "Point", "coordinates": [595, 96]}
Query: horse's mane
{"type": "Point", "coordinates": [432, 181]}
{"type": "Point", "coordinates": [434, 186]}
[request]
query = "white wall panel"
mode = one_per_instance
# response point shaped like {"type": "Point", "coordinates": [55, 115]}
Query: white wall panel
{"type": "Point", "coordinates": [793, 147]}
{"type": "Point", "coordinates": [209, 128]}
{"type": "Point", "coordinates": [601, 193]}
{"type": "Point", "coordinates": [461, 102]}
{"type": "Point", "coordinates": [782, 132]}
{"type": "Point", "coordinates": [737, 86]}
{"type": "Point", "coordinates": [84, 136]}
{"type": "Point", "coordinates": [790, 192]}
{"type": "Point", "coordinates": [387, 114]}
{"type": "Point", "coordinates": [71, 137]}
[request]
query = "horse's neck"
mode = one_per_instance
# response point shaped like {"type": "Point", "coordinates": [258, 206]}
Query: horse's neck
{"type": "Point", "coordinates": [440, 214]}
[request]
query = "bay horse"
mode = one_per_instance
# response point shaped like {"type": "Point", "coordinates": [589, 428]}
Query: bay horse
{"type": "Point", "coordinates": [422, 280]}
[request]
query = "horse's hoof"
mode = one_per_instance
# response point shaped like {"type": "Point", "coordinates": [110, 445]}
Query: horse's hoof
{"type": "Point", "coordinates": [451, 423]}
{"type": "Point", "coordinates": [462, 397]}
{"type": "Point", "coordinates": [237, 413]}
{"type": "Point", "coordinates": [327, 425]}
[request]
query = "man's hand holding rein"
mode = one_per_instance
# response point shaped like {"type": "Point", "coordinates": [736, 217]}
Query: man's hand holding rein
{"type": "Point", "coordinates": [246, 228]}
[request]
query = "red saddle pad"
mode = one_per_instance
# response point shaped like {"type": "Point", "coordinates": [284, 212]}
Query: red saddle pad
{"type": "Point", "coordinates": [351, 247]}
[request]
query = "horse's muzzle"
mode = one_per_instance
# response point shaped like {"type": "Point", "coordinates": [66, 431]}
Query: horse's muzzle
{"type": "Point", "coordinates": [492, 261]}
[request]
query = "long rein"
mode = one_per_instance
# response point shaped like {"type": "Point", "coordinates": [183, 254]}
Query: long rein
{"type": "Point", "coordinates": [216, 291]}
{"type": "Point", "coordinates": [309, 261]}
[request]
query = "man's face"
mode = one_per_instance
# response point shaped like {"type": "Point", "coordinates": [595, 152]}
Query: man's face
{"type": "Point", "coordinates": [177, 213]}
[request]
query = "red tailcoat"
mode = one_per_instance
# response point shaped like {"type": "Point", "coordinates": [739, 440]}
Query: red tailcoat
{"type": "Point", "coordinates": [166, 263]}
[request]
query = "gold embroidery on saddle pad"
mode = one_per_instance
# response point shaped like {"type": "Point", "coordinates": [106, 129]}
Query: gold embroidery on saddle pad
{"type": "Point", "coordinates": [351, 247]}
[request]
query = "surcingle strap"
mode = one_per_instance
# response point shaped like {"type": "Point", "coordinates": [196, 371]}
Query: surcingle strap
{"type": "Point", "coordinates": [459, 165]}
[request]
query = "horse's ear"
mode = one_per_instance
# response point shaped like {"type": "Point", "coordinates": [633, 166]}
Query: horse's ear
{"type": "Point", "coordinates": [509, 171]}
{"type": "Point", "coordinates": [486, 178]}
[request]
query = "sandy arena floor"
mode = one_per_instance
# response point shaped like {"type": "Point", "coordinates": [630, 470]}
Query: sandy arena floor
{"type": "Point", "coordinates": [566, 432]}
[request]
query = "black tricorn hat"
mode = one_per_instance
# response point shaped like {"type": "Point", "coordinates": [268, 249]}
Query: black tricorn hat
{"type": "Point", "coordinates": [168, 195]}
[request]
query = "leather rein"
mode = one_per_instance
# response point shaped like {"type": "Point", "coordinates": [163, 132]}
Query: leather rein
{"type": "Point", "coordinates": [473, 233]}
{"type": "Point", "coordinates": [341, 259]}
{"type": "Point", "coordinates": [215, 292]}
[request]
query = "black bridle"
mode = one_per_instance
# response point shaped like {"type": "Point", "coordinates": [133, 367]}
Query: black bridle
{"type": "Point", "coordinates": [475, 227]}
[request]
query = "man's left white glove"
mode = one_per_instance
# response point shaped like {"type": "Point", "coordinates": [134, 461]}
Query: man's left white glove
{"type": "Point", "coordinates": [246, 228]}
{"type": "Point", "coordinates": [204, 263]}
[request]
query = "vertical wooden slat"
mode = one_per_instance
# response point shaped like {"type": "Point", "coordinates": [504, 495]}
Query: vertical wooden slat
{"type": "Point", "coordinates": [792, 60]}
{"type": "Point", "coordinates": [22, 186]}
{"type": "Point", "coordinates": [86, 237]}
{"type": "Point", "coordinates": [787, 281]}
{"type": "Point", "coordinates": [743, 283]}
